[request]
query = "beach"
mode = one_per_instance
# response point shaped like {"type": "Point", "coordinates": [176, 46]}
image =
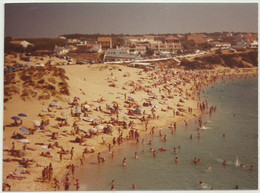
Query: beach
{"type": "Point", "coordinates": [115, 97]}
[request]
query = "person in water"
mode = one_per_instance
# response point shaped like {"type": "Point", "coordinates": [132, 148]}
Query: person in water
{"type": "Point", "coordinates": [136, 156]}
{"type": "Point", "coordinates": [124, 162]}
{"type": "Point", "coordinates": [224, 163]}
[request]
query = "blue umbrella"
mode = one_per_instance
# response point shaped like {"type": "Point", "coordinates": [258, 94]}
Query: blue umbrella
{"type": "Point", "coordinates": [137, 111]}
{"type": "Point", "coordinates": [15, 118]}
{"type": "Point", "coordinates": [22, 115]}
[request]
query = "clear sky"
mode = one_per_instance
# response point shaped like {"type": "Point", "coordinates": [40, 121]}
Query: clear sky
{"type": "Point", "coordinates": [53, 19]}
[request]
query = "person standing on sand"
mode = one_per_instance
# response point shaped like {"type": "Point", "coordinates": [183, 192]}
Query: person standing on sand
{"type": "Point", "coordinates": [71, 153]}
{"type": "Point", "coordinates": [77, 184]}
{"type": "Point", "coordinates": [99, 157]}
{"type": "Point", "coordinates": [113, 187]}
{"type": "Point", "coordinates": [66, 185]}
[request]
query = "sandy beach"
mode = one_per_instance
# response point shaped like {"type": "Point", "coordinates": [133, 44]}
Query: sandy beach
{"type": "Point", "coordinates": [105, 102]}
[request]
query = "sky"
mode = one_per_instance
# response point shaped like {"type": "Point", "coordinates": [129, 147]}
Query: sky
{"type": "Point", "coordinates": [32, 20]}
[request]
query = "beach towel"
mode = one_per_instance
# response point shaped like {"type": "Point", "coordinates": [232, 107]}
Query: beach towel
{"type": "Point", "coordinates": [25, 131]}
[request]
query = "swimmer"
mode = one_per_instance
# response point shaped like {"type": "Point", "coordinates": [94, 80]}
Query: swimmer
{"type": "Point", "coordinates": [154, 153]}
{"type": "Point", "coordinates": [176, 160]}
{"type": "Point", "coordinates": [202, 184]}
{"type": "Point", "coordinates": [133, 187]}
{"type": "Point", "coordinates": [251, 168]}
{"type": "Point", "coordinates": [136, 156]}
{"type": "Point", "coordinates": [124, 162]}
{"type": "Point", "coordinates": [195, 160]}
{"type": "Point", "coordinates": [224, 163]}
{"type": "Point", "coordinates": [174, 150]}
{"type": "Point", "coordinates": [208, 169]}
{"type": "Point", "coordinates": [191, 137]}
{"type": "Point", "coordinates": [165, 138]}
{"type": "Point", "coordinates": [150, 142]}
{"type": "Point", "coordinates": [224, 135]}
{"type": "Point", "coordinates": [112, 187]}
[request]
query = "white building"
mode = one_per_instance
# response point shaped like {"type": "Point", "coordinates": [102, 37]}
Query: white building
{"type": "Point", "coordinates": [118, 54]}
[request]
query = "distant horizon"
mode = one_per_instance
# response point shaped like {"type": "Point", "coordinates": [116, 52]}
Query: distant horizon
{"type": "Point", "coordinates": [152, 34]}
{"type": "Point", "coordinates": [45, 20]}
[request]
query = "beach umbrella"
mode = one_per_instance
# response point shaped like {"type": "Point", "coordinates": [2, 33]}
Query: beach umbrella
{"type": "Point", "coordinates": [137, 111]}
{"type": "Point", "coordinates": [45, 117]}
{"type": "Point", "coordinates": [15, 118]}
{"type": "Point", "coordinates": [36, 123]}
{"type": "Point", "coordinates": [22, 115]}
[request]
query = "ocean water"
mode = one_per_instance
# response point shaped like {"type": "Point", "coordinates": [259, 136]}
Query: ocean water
{"type": "Point", "coordinates": [236, 116]}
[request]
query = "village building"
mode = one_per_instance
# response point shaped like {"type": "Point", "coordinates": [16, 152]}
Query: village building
{"type": "Point", "coordinates": [106, 42]}
{"type": "Point", "coordinates": [222, 45]}
{"type": "Point", "coordinates": [60, 50]}
{"type": "Point", "coordinates": [173, 42]}
{"type": "Point", "coordinates": [119, 54]}
{"type": "Point", "coordinates": [196, 38]}
{"type": "Point", "coordinates": [140, 49]}
{"type": "Point", "coordinates": [96, 48]}
{"type": "Point", "coordinates": [73, 41]}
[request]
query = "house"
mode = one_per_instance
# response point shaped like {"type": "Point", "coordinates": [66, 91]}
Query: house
{"type": "Point", "coordinates": [173, 42]}
{"type": "Point", "coordinates": [82, 43]}
{"type": "Point", "coordinates": [23, 43]}
{"type": "Point", "coordinates": [62, 37]}
{"type": "Point", "coordinates": [254, 44]}
{"type": "Point", "coordinates": [106, 42]}
{"type": "Point", "coordinates": [73, 41]}
{"type": "Point", "coordinates": [140, 49]}
{"type": "Point", "coordinates": [164, 48]}
{"type": "Point", "coordinates": [250, 38]}
{"type": "Point", "coordinates": [97, 48]}
{"type": "Point", "coordinates": [223, 45]}
{"type": "Point", "coordinates": [196, 38]}
{"type": "Point", "coordinates": [118, 54]}
{"type": "Point", "coordinates": [60, 50]}
{"type": "Point", "coordinates": [71, 47]}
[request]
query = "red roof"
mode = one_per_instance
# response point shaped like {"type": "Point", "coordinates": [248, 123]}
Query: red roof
{"type": "Point", "coordinates": [104, 39]}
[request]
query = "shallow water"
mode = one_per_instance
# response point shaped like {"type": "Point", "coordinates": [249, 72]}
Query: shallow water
{"type": "Point", "coordinates": [236, 116]}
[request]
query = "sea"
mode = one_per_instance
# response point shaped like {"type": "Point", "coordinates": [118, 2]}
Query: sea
{"type": "Point", "coordinates": [230, 134]}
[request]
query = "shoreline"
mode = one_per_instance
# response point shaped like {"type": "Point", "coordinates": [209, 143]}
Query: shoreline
{"type": "Point", "coordinates": [59, 168]}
